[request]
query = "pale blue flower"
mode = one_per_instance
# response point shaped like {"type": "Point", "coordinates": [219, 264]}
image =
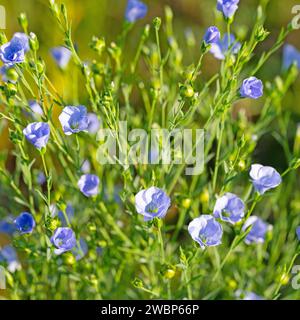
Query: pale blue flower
{"type": "Point", "coordinates": [80, 250]}
{"type": "Point", "coordinates": [152, 203]}
{"type": "Point", "coordinates": [227, 7]}
{"type": "Point", "coordinates": [206, 230]}
{"type": "Point", "coordinates": [35, 107]}
{"type": "Point", "coordinates": [14, 51]}
{"type": "Point", "coordinates": [64, 240]}
{"type": "Point", "coordinates": [252, 88]}
{"type": "Point", "coordinates": [135, 10]}
{"type": "Point", "coordinates": [247, 295]}
{"type": "Point", "coordinates": [89, 185]}
{"type": "Point", "coordinates": [38, 134]}
{"type": "Point", "coordinates": [221, 47]}
{"type": "Point", "coordinates": [74, 119]}
{"type": "Point", "coordinates": [264, 178]}
{"type": "Point", "coordinates": [9, 255]}
{"type": "Point", "coordinates": [212, 35]}
{"type": "Point", "coordinates": [290, 55]}
{"type": "Point", "coordinates": [258, 230]}
{"type": "Point", "coordinates": [229, 208]}
{"type": "Point", "coordinates": [93, 123]}
{"type": "Point", "coordinates": [25, 223]}
{"type": "Point", "coordinates": [62, 56]}
{"type": "Point", "coordinates": [86, 166]}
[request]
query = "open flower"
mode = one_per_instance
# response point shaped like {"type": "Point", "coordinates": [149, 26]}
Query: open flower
{"type": "Point", "coordinates": [74, 119]}
{"type": "Point", "coordinates": [37, 133]}
{"type": "Point", "coordinates": [62, 56]}
{"type": "Point", "coordinates": [252, 88]}
{"type": "Point", "coordinates": [264, 178]}
{"type": "Point", "coordinates": [93, 123]}
{"type": "Point", "coordinates": [212, 35]}
{"type": "Point", "coordinates": [222, 46]}
{"type": "Point", "coordinates": [258, 230]}
{"type": "Point", "coordinates": [14, 51]}
{"type": "Point", "coordinates": [35, 107]}
{"type": "Point", "coordinates": [25, 223]}
{"type": "Point", "coordinates": [206, 230]}
{"type": "Point", "coordinates": [64, 240]}
{"type": "Point", "coordinates": [247, 295]}
{"type": "Point", "coordinates": [89, 185]}
{"type": "Point", "coordinates": [151, 203]}
{"type": "Point", "coordinates": [229, 208]}
{"type": "Point", "coordinates": [135, 10]}
{"type": "Point", "coordinates": [227, 7]}
{"type": "Point", "coordinates": [290, 55]}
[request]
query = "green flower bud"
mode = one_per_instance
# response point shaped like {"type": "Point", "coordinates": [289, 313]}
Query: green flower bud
{"type": "Point", "coordinates": [33, 41]}
{"type": "Point", "coordinates": [187, 91]}
{"type": "Point", "coordinates": [157, 23]}
{"type": "Point", "coordinates": [137, 283]}
{"type": "Point", "coordinates": [23, 21]}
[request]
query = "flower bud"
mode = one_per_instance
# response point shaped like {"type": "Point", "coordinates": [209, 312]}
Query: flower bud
{"type": "Point", "coordinates": [23, 21]}
{"type": "Point", "coordinates": [33, 41]}
{"type": "Point", "coordinates": [137, 283]}
{"type": "Point", "coordinates": [157, 23]}
{"type": "Point", "coordinates": [187, 91]}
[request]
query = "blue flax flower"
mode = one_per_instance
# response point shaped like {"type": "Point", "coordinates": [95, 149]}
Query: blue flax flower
{"type": "Point", "coordinates": [151, 203]}
{"type": "Point", "coordinates": [37, 133]}
{"type": "Point", "coordinates": [35, 107]}
{"type": "Point", "coordinates": [298, 233]}
{"type": "Point", "coordinates": [290, 55]}
{"type": "Point", "coordinates": [247, 295]}
{"type": "Point", "coordinates": [62, 56]}
{"type": "Point", "coordinates": [206, 230]}
{"type": "Point", "coordinates": [9, 255]}
{"type": "Point", "coordinates": [252, 88]}
{"type": "Point", "coordinates": [212, 35]}
{"type": "Point", "coordinates": [229, 208]}
{"type": "Point", "coordinates": [135, 10]}
{"type": "Point", "coordinates": [258, 230]}
{"type": "Point", "coordinates": [74, 119]}
{"type": "Point", "coordinates": [264, 178]}
{"type": "Point", "coordinates": [221, 47]}
{"type": "Point", "coordinates": [80, 250]}
{"type": "Point", "coordinates": [25, 223]}
{"type": "Point", "coordinates": [64, 240]}
{"type": "Point", "coordinates": [93, 123]}
{"type": "Point", "coordinates": [14, 51]}
{"type": "Point", "coordinates": [227, 7]}
{"type": "Point", "coordinates": [89, 185]}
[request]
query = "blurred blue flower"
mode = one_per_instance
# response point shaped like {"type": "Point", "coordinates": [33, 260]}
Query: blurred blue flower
{"type": "Point", "coordinates": [14, 51]}
{"type": "Point", "coordinates": [221, 47]}
{"type": "Point", "coordinates": [37, 133]}
{"type": "Point", "coordinates": [258, 231]}
{"type": "Point", "coordinates": [151, 203]}
{"type": "Point", "coordinates": [93, 123]}
{"type": "Point", "coordinates": [212, 35]}
{"type": "Point", "coordinates": [69, 213]}
{"type": "Point", "coordinates": [290, 55]}
{"type": "Point", "coordinates": [86, 166]}
{"type": "Point", "coordinates": [25, 223]}
{"type": "Point", "coordinates": [3, 72]}
{"type": "Point", "coordinates": [64, 240]}
{"type": "Point", "coordinates": [247, 295]}
{"type": "Point", "coordinates": [7, 227]}
{"type": "Point", "coordinates": [135, 10]}
{"type": "Point", "coordinates": [264, 178]}
{"type": "Point", "coordinates": [9, 255]}
{"type": "Point", "coordinates": [80, 250]}
{"type": "Point", "coordinates": [298, 232]}
{"type": "Point", "coordinates": [206, 230]}
{"type": "Point", "coordinates": [229, 208]}
{"type": "Point", "coordinates": [74, 119]}
{"type": "Point", "coordinates": [62, 56]}
{"type": "Point", "coordinates": [252, 88]}
{"type": "Point", "coordinates": [89, 185]}
{"type": "Point", "coordinates": [227, 7]}
{"type": "Point", "coordinates": [41, 178]}
{"type": "Point", "coordinates": [35, 107]}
